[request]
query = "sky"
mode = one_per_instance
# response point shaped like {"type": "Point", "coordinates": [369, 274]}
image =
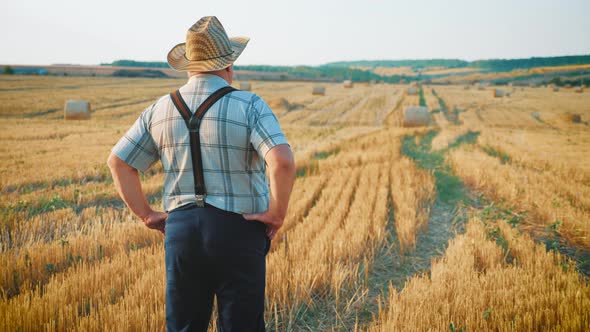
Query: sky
{"type": "Point", "coordinates": [301, 32]}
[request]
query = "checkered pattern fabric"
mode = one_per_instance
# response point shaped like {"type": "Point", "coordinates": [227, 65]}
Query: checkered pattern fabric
{"type": "Point", "coordinates": [236, 133]}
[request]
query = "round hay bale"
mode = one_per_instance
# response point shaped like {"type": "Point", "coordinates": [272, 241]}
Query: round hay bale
{"type": "Point", "coordinates": [318, 90]}
{"type": "Point", "coordinates": [573, 118]}
{"type": "Point", "coordinates": [498, 93]}
{"type": "Point", "coordinates": [481, 87]}
{"type": "Point", "coordinates": [555, 88]}
{"type": "Point", "coordinates": [245, 86]}
{"type": "Point", "coordinates": [77, 110]}
{"type": "Point", "coordinates": [416, 116]}
{"type": "Point", "coordinates": [278, 103]}
{"type": "Point", "coordinates": [568, 86]}
{"type": "Point", "coordinates": [347, 84]}
{"type": "Point", "coordinates": [579, 89]}
{"type": "Point", "coordinates": [412, 91]}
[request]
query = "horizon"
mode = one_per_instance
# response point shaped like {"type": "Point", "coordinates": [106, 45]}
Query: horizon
{"type": "Point", "coordinates": [298, 35]}
{"type": "Point", "coordinates": [322, 64]}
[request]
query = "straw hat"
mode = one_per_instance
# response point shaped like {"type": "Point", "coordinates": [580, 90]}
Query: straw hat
{"type": "Point", "coordinates": [207, 47]}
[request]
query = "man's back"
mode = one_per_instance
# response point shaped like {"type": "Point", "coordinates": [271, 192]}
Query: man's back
{"type": "Point", "coordinates": [235, 132]}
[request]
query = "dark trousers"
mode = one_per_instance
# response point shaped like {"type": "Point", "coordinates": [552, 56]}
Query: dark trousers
{"type": "Point", "coordinates": [211, 252]}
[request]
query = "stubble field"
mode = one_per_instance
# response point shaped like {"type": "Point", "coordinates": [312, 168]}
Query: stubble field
{"type": "Point", "coordinates": [479, 221]}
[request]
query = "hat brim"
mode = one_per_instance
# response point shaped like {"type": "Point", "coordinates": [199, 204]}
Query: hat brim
{"type": "Point", "coordinates": [178, 61]}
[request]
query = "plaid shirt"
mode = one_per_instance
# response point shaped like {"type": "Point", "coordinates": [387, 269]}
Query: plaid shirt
{"type": "Point", "coordinates": [236, 133]}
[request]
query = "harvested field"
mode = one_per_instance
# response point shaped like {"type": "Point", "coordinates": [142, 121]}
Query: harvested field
{"type": "Point", "coordinates": [478, 221]}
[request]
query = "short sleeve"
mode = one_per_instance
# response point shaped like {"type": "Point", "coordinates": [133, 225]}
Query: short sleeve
{"type": "Point", "coordinates": [137, 147]}
{"type": "Point", "coordinates": [266, 131]}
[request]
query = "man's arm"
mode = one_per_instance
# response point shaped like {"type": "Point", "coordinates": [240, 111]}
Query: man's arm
{"type": "Point", "coordinates": [281, 169]}
{"type": "Point", "coordinates": [126, 179]}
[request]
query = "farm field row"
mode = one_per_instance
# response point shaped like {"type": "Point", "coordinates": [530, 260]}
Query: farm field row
{"type": "Point", "coordinates": [501, 172]}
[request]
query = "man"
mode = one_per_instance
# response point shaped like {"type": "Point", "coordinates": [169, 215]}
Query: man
{"type": "Point", "coordinates": [220, 214]}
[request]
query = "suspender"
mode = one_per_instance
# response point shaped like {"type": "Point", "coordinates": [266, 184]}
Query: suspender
{"type": "Point", "coordinates": [193, 122]}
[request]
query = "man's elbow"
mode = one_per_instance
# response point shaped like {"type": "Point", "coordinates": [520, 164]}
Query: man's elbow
{"type": "Point", "coordinates": [282, 160]}
{"type": "Point", "coordinates": [287, 164]}
{"type": "Point", "coordinates": [115, 163]}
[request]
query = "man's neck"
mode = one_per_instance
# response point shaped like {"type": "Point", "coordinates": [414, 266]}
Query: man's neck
{"type": "Point", "coordinates": [220, 73]}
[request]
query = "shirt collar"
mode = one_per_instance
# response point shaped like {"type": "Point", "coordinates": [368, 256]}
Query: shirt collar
{"type": "Point", "coordinates": [212, 81]}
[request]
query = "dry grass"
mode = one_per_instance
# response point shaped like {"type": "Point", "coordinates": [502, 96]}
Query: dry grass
{"type": "Point", "coordinates": [475, 286]}
{"type": "Point", "coordinates": [75, 259]}
{"type": "Point", "coordinates": [482, 75]}
{"type": "Point", "coordinates": [554, 198]}
{"type": "Point", "coordinates": [451, 71]}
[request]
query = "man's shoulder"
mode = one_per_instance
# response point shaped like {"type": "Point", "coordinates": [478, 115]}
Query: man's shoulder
{"type": "Point", "coordinates": [246, 97]}
{"type": "Point", "coordinates": [243, 99]}
{"type": "Point", "coordinates": [163, 101]}
{"type": "Point", "coordinates": [249, 101]}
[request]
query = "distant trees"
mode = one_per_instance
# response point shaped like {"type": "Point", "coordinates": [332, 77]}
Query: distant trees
{"type": "Point", "coordinates": [334, 73]}
{"type": "Point", "coordinates": [447, 63]}
{"type": "Point", "coordinates": [345, 70]}
{"type": "Point", "coordinates": [499, 65]}
{"type": "Point", "coordinates": [8, 70]}
{"type": "Point", "coordinates": [511, 64]}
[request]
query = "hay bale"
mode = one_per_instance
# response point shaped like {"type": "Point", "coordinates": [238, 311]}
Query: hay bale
{"type": "Point", "coordinates": [481, 87]}
{"type": "Point", "coordinates": [568, 86]}
{"type": "Point", "coordinates": [245, 86]}
{"type": "Point", "coordinates": [412, 91]}
{"type": "Point", "coordinates": [573, 118]}
{"type": "Point", "coordinates": [347, 84]}
{"type": "Point", "coordinates": [555, 88]}
{"type": "Point", "coordinates": [416, 116]}
{"type": "Point", "coordinates": [579, 89]}
{"type": "Point", "coordinates": [498, 93]}
{"type": "Point", "coordinates": [279, 103]}
{"type": "Point", "coordinates": [318, 90]}
{"type": "Point", "coordinates": [466, 87]}
{"type": "Point", "coordinates": [77, 110]}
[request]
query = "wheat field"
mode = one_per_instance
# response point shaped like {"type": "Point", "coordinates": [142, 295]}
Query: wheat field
{"type": "Point", "coordinates": [479, 221]}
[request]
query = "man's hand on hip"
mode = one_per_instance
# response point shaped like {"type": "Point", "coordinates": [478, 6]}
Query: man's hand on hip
{"type": "Point", "coordinates": [272, 220]}
{"type": "Point", "coordinates": [126, 179]}
{"type": "Point", "coordinates": [281, 173]}
{"type": "Point", "coordinates": [156, 220]}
